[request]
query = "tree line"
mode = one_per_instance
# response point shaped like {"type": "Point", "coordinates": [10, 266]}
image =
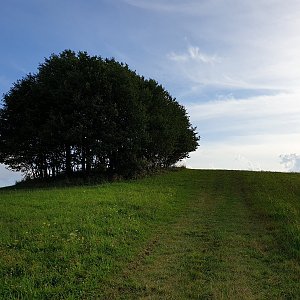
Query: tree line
{"type": "Point", "coordinates": [82, 113]}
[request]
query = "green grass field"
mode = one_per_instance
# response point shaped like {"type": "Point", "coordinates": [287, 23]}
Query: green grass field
{"type": "Point", "coordinates": [187, 234]}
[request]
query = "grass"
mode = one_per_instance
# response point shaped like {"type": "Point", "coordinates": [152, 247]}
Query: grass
{"type": "Point", "coordinates": [191, 234]}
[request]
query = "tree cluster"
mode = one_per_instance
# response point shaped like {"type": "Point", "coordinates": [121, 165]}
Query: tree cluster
{"type": "Point", "coordinates": [82, 113]}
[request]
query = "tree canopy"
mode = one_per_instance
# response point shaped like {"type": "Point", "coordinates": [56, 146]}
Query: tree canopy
{"type": "Point", "coordinates": [82, 113]}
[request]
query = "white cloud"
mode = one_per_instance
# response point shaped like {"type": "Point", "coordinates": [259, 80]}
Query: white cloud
{"type": "Point", "coordinates": [291, 162]}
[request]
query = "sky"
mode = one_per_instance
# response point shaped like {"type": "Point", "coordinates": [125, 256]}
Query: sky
{"type": "Point", "coordinates": [234, 65]}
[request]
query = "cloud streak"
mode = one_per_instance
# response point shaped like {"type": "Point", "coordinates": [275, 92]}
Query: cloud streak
{"type": "Point", "coordinates": [190, 7]}
{"type": "Point", "coordinates": [275, 114]}
{"type": "Point", "coordinates": [194, 55]}
{"type": "Point", "coordinates": [284, 104]}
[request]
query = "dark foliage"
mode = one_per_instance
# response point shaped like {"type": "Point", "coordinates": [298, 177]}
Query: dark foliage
{"type": "Point", "coordinates": [83, 114]}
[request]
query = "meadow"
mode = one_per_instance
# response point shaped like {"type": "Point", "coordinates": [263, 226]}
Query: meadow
{"type": "Point", "coordinates": [185, 234]}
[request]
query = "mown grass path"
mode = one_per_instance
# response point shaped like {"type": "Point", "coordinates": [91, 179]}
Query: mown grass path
{"type": "Point", "coordinates": [219, 247]}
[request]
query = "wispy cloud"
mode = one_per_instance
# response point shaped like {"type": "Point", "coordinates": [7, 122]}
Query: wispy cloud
{"type": "Point", "coordinates": [275, 114]}
{"type": "Point", "coordinates": [283, 105]}
{"type": "Point", "coordinates": [190, 7]}
{"type": "Point", "coordinates": [194, 54]}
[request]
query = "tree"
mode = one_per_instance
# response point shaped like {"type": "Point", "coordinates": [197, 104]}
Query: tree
{"type": "Point", "coordinates": [81, 113]}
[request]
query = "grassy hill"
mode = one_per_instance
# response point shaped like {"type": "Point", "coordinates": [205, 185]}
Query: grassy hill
{"type": "Point", "coordinates": [188, 234]}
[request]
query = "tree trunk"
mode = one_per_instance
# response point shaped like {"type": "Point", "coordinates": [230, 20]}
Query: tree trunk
{"type": "Point", "coordinates": [68, 160]}
{"type": "Point", "coordinates": [88, 161]}
{"type": "Point", "coordinates": [83, 159]}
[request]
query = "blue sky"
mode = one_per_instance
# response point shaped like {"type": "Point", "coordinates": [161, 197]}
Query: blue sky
{"type": "Point", "coordinates": [234, 65]}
